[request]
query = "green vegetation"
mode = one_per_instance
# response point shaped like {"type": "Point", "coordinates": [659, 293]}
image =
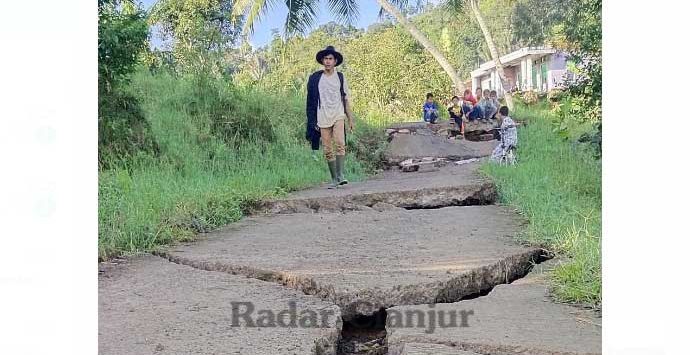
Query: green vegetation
{"type": "Point", "coordinates": [206, 174]}
{"type": "Point", "coordinates": [557, 187]}
{"type": "Point", "coordinates": [575, 27]}
{"type": "Point", "coordinates": [122, 129]}
{"type": "Point", "coordinates": [191, 137]}
{"type": "Point", "coordinates": [388, 73]}
{"type": "Point", "coordinates": [557, 183]}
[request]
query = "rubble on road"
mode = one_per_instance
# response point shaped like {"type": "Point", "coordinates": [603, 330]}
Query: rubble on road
{"type": "Point", "coordinates": [422, 165]}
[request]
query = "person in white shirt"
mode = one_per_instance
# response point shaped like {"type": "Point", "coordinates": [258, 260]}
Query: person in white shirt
{"type": "Point", "coordinates": [508, 131]}
{"type": "Point", "coordinates": [328, 107]}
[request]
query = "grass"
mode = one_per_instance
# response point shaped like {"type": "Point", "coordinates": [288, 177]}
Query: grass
{"type": "Point", "coordinates": [557, 187]}
{"type": "Point", "coordinates": [207, 174]}
{"type": "Point", "coordinates": [221, 148]}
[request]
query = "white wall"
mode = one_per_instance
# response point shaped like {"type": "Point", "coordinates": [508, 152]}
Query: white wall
{"type": "Point", "coordinates": [556, 78]}
{"type": "Point", "coordinates": [475, 84]}
{"type": "Point", "coordinates": [557, 70]}
{"type": "Point", "coordinates": [485, 83]}
{"type": "Point", "coordinates": [527, 74]}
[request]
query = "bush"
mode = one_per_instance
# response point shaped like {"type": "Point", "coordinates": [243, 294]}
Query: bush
{"type": "Point", "coordinates": [557, 186]}
{"type": "Point", "coordinates": [123, 132]}
{"type": "Point", "coordinates": [577, 118]}
{"type": "Point", "coordinates": [555, 95]}
{"type": "Point", "coordinates": [530, 97]}
{"type": "Point", "coordinates": [122, 34]}
{"type": "Point", "coordinates": [368, 143]}
{"type": "Point", "coordinates": [236, 115]}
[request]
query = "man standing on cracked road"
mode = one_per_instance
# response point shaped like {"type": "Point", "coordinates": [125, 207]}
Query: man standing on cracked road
{"type": "Point", "coordinates": [328, 105]}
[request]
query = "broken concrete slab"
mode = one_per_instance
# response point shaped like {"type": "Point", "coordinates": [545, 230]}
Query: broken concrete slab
{"type": "Point", "coordinates": [363, 261]}
{"type": "Point", "coordinates": [149, 305]}
{"type": "Point", "coordinates": [468, 161]}
{"type": "Point", "coordinates": [405, 146]}
{"type": "Point", "coordinates": [382, 206]}
{"type": "Point", "coordinates": [425, 164]}
{"type": "Point", "coordinates": [451, 185]}
{"type": "Point", "coordinates": [480, 126]}
{"type": "Point", "coordinates": [513, 318]}
{"type": "Point", "coordinates": [486, 137]}
{"type": "Point", "coordinates": [440, 128]}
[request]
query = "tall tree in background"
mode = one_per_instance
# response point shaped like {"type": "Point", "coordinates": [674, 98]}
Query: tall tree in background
{"type": "Point", "coordinates": [494, 52]}
{"type": "Point", "coordinates": [122, 36]}
{"type": "Point", "coordinates": [425, 42]}
{"type": "Point", "coordinates": [200, 31]}
{"type": "Point", "coordinates": [580, 33]}
{"type": "Point", "coordinates": [474, 6]}
{"type": "Point", "coordinates": [534, 21]}
{"type": "Point", "coordinates": [573, 26]}
{"type": "Point", "coordinates": [302, 14]}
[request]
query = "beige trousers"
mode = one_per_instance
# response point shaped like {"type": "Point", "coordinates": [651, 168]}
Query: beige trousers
{"type": "Point", "coordinates": [334, 134]}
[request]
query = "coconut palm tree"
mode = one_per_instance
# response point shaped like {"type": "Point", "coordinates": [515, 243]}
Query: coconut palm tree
{"type": "Point", "coordinates": [425, 42]}
{"type": "Point", "coordinates": [302, 14]}
{"type": "Point", "coordinates": [474, 6]}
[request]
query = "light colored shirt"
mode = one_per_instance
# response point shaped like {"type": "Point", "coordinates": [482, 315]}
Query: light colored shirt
{"type": "Point", "coordinates": [331, 107]}
{"type": "Point", "coordinates": [489, 108]}
{"type": "Point", "coordinates": [496, 103]}
{"type": "Point", "coordinates": [508, 132]}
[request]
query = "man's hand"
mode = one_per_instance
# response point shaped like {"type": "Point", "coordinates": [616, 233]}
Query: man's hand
{"type": "Point", "coordinates": [349, 115]}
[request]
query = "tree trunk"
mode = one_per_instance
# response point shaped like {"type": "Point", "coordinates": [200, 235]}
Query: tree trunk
{"type": "Point", "coordinates": [419, 36]}
{"type": "Point", "coordinates": [494, 52]}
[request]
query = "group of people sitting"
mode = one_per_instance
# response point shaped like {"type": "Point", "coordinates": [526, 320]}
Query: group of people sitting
{"type": "Point", "coordinates": [485, 107]}
{"type": "Point", "coordinates": [482, 107]}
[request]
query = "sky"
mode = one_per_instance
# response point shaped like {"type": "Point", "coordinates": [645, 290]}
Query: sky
{"type": "Point", "coordinates": [368, 14]}
{"type": "Point", "coordinates": [275, 18]}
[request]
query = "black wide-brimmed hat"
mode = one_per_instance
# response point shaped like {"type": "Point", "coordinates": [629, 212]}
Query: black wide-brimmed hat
{"type": "Point", "coordinates": [327, 51]}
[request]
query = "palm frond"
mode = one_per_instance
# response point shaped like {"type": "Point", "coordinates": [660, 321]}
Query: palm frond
{"type": "Point", "coordinates": [344, 10]}
{"type": "Point", "coordinates": [250, 11]}
{"type": "Point", "coordinates": [400, 4]}
{"type": "Point", "coordinates": [301, 15]}
{"type": "Point", "coordinates": [239, 8]}
{"type": "Point", "coordinates": [459, 6]}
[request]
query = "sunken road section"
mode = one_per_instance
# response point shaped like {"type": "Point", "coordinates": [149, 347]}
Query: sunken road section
{"type": "Point", "coordinates": [363, 261]}
{"type": "Point", "coordinates": [518, 318]}
{"type": "Point", "coordinates": [451, 185]}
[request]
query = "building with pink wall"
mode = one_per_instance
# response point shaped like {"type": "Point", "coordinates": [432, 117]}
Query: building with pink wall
{"type": "Point", "coordinates": [530, 68]}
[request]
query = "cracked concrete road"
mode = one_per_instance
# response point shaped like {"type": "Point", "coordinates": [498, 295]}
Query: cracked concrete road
{"type": "Point", "coordinates": [450, 185]}
{"type": "Point", "coordinates": [151, 306]}
{"type": "Point", "coordinates": [428, 349]}
{"type": "Point", "coordinates": [384, 258]}
{"type": "Point", "coordinates": [406, 146]}
{"type": "Point", "coordinates": [353, 251]}
{"type": "Point", "coordinates": [516, 318]}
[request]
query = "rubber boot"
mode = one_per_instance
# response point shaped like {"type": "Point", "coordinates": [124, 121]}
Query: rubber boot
{"type": "Point", "coordinates": [340, 168]}
{"type": "Point", "coordinates": [334, 176]}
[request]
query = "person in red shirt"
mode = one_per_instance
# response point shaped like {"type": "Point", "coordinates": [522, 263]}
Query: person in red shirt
{"type": "Point", "coordinates": [470, 108]}
{"type": "Point", "coordinates": [467, 96]}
